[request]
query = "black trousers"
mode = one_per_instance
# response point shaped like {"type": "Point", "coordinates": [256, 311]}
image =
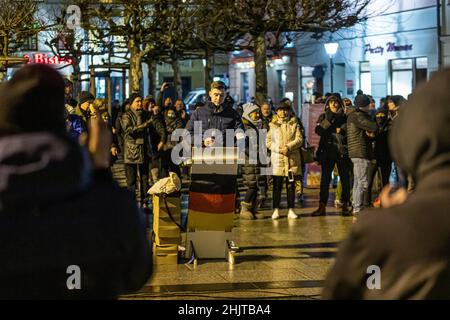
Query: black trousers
{"type": "Point", "coordinates": [385, 170]}
{"type": "Point", "coordinates": [131, 172]}
{"type": "Point", "coordinates": [167, 165]}
{"type": "Point", "coordinates": [344, 166]}
{"type": "Point", "coordinates": [278, 187]}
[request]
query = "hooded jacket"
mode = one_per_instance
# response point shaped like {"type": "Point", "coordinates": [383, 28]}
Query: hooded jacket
{"type": "Point", "coordinates": [136, 142]}
{"type": "Point", "coordinates": [410, 243]}
{"type": "Point", "coordinates": [332, 145]}
{"type": "Point", "coordinates": [52, 217]}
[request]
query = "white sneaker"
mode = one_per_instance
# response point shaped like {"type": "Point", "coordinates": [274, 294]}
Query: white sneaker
{"type": "Point", "coordinates": [292, 215]}
{"type": "Point", "coordinates": [275, 214]}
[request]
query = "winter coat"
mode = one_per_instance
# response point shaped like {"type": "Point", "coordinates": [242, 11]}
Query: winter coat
{"type": "Point", "coordinates": [359, 143]}
{"type": "Point", "coordinates": [409, 242]}
{"type": "Point", "coordinates": [266, 121]}
{"type": "Point", "coordinates": [136, 143]}
{"type": "Point", "coordinates": [332, 145]}
{"type": "Point", "coordinates": [157, 132]}
{"type": "Point", "coordinates": [171, 126]}
{"type": "Point", "coordinates": [55, 213]}
{"type": "Point", "coordinates": [226, 118]}
{"type": "Point", "coordinates": [84, 116]}
{"type": "Point", "coordinates": [251, 169]}
{"type": "Point", "coordinates": [284, 133]}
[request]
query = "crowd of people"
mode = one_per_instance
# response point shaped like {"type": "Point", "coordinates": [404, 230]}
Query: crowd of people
{"type": "Point", "coordinates": [353, 143]}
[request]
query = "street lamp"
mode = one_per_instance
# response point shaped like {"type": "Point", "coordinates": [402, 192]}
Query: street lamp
{"type": "Point", "coordinates": [331, 49]}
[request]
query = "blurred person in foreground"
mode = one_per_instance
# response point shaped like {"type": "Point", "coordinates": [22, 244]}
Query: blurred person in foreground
{"type": "Point", "coordinates": [409, 239]}
{"type": "Point", "coordinates": [52, 221]}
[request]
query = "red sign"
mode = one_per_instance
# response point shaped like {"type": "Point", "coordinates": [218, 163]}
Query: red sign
{"type": "Point", "coordinates": [45, 59]}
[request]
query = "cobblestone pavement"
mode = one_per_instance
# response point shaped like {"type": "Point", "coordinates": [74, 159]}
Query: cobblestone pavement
{"type": "Point", "coordinates": [282, 259]}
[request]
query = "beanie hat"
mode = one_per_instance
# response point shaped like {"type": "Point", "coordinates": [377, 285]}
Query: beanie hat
{"type": "Point", "coordinates": [133, 97]}
{"type": "Point", "coordinates": [33, 100]}
{"type": "Point", "coordinates": [361, 101]}
{"type": "Point", "coordinates": [86, 96]}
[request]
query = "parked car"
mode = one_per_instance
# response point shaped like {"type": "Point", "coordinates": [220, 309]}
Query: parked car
{"type": "Point", "coordinates": [194, 96]}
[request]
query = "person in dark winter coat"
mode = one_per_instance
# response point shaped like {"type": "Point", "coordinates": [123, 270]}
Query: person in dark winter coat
{"type": "Point", "coordinates": [332, 129]}
{"type": "Point", "coordinates": [172, 123]}
{"type": "Point", "coordinates": [158, 137]}
{"type": "Point", "coordinates": [251, 169]}
{"type": "Point", "coordinates": [394, 105]}
{"type": "Point", "coordinates": [136, 147]}
{"type": "Point", "coordinates": [266, 181]}
{"type": "Point", "coordinates": [216, 115]}
{"type": "Point", "coordinates": [361, 130]}
{"type": "Point", "coordinates": [407, 241]}
{"type": "Point", "coordinates": [84, 108]}
{"type": "Point", "coordinates": [57, 240]}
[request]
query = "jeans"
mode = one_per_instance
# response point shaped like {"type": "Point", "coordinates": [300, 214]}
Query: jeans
{"type": "Point", "coordinates": [360, 183]}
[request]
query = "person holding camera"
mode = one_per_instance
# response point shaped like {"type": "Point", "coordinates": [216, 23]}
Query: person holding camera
{"type": "Point", "coordinates": [283, 140]}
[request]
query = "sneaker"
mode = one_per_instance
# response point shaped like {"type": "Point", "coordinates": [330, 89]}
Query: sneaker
{"type": "Point", "coordinates": [292, 214]}
{"type": "Point", "coordinates": [275, 215]}
{"type": "Point", "coordinates": [337, 204]}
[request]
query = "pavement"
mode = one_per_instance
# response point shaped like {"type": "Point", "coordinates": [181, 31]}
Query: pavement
{"type": "Point", "coordinates": [281, 259]}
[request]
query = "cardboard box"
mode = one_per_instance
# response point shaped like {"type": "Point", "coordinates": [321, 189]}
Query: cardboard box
{"type": "Point", "coordinates": [167, 232]}
{"type": "Point", "coordinates": [165, 259]}
{"type": "Point", "coordinates": [167, 241]}
{"type": "Point", "coordinates": [160, 210]}
{"type": "Point", "coordinates": [165, 249]}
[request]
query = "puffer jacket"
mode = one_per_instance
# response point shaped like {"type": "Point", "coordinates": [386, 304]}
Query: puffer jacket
{"type": "Point", "coordinates": [332, 145]}
{"type": "Point", "coordinates": [359, 143]}
{"type": "Point", "coordinates": [52, 217]}
{"type": "Point", "coordinates": [284, 132]}
{"type": "Point", "coordinates": [135, 138]}
{"type": "Point", "coordinates": [250, 170]}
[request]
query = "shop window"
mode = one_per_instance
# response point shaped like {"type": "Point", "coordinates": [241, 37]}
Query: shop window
{"type": "Point", "coordinates": [282, 77]}
{"type": "Point", "coordinates": [365, 78]}
{"type": "Point", "coordinates": [308, 83]}
{"type": "Point", "coordinates": [406, 74]}
{"type": "Point", "coordinates": [245, 94]}
{"type": "Point", "coordinates": [30, 43]}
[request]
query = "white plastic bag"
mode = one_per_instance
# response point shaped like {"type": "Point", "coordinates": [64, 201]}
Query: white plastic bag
{"type": "Point", "coordinates": [167, 185]}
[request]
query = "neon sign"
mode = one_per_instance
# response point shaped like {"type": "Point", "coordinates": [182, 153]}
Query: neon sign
{"type": "Point", "coordinates": [45, 59]}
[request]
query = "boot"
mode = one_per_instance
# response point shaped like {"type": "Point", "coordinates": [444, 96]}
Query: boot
{"type": "Point", "coordinates": [246, 214]}
{"type": "Point", "coordinates": [346, 209]}
{"type": "Point", "coordinates": [275, 214]}
{"type": "Point", "coordinates": [292, 214]}
{"type": "Point", "coordinates": [321, 211]}
{"type": "Point", "coordinates": [255, 212]}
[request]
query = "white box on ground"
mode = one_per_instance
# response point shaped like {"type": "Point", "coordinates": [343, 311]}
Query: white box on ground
{"type": "Point", "coordinates": [208, 244]}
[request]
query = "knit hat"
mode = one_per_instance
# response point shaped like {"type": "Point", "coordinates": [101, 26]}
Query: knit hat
{"type": "Point", "coordinates": [133, 97]}
{"type": "Point", "coordinates": [86, 96]}
{"type": "Point", "coordinates": [362, 101]}
{"type": "Point", "coordinates": [249, 108]}
{"type": "Point", "coordinates": [33, 100]}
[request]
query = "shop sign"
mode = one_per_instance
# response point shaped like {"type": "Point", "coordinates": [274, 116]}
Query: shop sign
{"type": "Point", "coordinates": [45, 59]}
{"type": "Point", "coordinates": [390, 47]}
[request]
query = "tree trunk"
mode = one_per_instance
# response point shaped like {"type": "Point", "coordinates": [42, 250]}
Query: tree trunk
{"type": "Point", "coordinates": [135, 75]}
{"type": "Point", "coordinates": [151, 78]}
{"type": "Point", "coordinates": [260, 69]}
{"type": "Point", "coordinates": [3, 72]}
{"type": "Point", "coordinates": [177, 78]}
{"type": "Point", "coordinates": [209, 69]}
{"type": "Point", "coordinates": [76, 78]}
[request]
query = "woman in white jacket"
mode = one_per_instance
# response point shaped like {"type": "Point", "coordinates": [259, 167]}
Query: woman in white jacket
{"type": "Point", "coordinates": [283, 140]}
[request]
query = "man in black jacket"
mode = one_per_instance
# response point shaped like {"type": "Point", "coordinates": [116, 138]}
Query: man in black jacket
{"type": "Point", "coordinates": [331, 127]}
{"type": "Point", "coordinates": [361, 130]}
{"type": "Point", "coordinates": [57, 240]}
{"type": "Point", "coordinates": [403, 250]}
{"type": "Point", "coordinates": [137, 151]}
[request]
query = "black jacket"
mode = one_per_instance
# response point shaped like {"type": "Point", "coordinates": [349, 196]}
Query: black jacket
{"type": "Point", "coordinates": [332, 145]}
{"type": "Point", "coordinates": [55, 214]}
{"type": "Point", "coordinates": [171, 126]}
{"type": "Point", "coordinates": [136, 144]}
{"type": "Point", "coordinates": [157, 132]}
{"type": "Point", "coordinates": [409, 242]}
{"type": "Point", "coordinates": [359, 143]}
{"type": "Point", "coordinates": [225, 119]}
{"type": "Point", "coordinates": [251, 169]}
